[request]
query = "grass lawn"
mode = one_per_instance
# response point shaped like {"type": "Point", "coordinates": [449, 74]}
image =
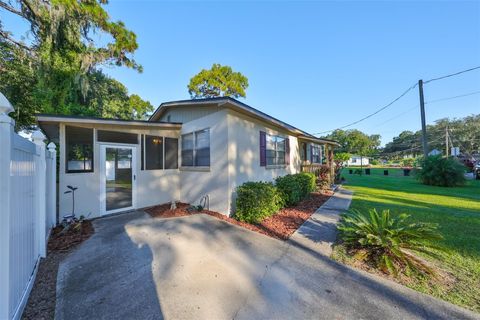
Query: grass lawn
{"type": "Point", "coordinates": [455, 210]}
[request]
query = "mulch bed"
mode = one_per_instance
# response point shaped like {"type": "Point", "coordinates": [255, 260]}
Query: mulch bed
{"type": "Point", "coordinates": [280, 226]}
{"type": "Point", "coordinates": [41, 303]}
{"type": "Point", "coordinates": [164, 211]}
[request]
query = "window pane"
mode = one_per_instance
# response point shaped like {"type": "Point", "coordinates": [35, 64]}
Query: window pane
{"type": "Point", "coordinates": [281, 157]}
{"type": "Point", "coordinates": [270, 142]}
{"type": "Point", "coordinates": [171, 153]}
{"type": "Point", "coordinates": [79, 149]}
{"type": "Point", "coordinates": [124, 160]}
{"type": "Point", "coordinates": [316, 154]}
{"type": "Point", "coordinates": [281, 143]}
{"type": "Point", "coordinates": [153, 152]}
{"type": "Point", "coordinates": [117, 137]}
{"type": "Point", "coordinates": [187, 150]}
{"type": "Point", "coordinates": [202, 145]}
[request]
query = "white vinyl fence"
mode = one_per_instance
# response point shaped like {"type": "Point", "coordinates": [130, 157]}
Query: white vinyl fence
{"type": "Point", "coordinates": [27, 212]}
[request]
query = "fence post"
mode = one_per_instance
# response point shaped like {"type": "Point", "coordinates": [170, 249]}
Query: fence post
{"type": "Point", "coordinates": [52, 188]}
{"type": "Point", "coordinates": [41, 193]}
{"type": "Point", "coordinates": [6, 132]}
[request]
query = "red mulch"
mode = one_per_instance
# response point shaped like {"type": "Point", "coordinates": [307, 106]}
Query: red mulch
{"type": "Point", "coordinates": [41, 303]}
{"type": "Point", "coordinates": [65, 241]}
{"type": "Point", "coordinates": [281, 225]}
{"type": "Point", "coordinates": [164, 211]}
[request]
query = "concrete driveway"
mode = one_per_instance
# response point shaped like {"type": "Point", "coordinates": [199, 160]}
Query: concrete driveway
{"type": "Point", "coordinates": [199, 267]}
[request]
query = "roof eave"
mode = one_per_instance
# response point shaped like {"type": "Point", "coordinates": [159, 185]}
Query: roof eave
{"type": "Point", "coordinates": [59, 119]}
{"type": "Point", "coordinates": [319, 140]}
{"type": "Point", "coordinates": [224, 101]}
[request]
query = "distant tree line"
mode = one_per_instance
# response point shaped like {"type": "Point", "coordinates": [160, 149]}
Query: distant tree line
{"type": "Point", "coordinates": [463, 133]}
{"type": "Point", "coordinates": [355, 142]}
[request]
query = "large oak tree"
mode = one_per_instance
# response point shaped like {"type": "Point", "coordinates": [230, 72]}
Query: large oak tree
{"type": "Point", "coordinates": [219, 81]}
{"type": "Point", "coordinates": [57, 68]}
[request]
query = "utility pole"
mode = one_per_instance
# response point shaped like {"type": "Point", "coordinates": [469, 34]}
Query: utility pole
{"type": "Point", "coordinates": [446, 140]}
{"type": "Point", "coordinates": [422, 113]}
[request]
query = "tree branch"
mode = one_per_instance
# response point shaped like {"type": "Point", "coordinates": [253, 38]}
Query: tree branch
{"type": "Point", "coordinates": [7, 37]}
{"type": "Point", "coordinates": [11, 9]}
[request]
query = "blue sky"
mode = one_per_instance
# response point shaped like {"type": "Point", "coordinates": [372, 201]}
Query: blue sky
{"type": "Point", "coordinates": [317, 65]}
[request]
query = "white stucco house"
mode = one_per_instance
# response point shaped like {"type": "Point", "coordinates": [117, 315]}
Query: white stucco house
{"type": "Point", "coordinates": [358, 161]}
{"type": "Point", "coordinates": [186, 151]}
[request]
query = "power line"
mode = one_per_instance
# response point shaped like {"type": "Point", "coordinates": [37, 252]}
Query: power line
{"type": "Point", "coordinates": [454, 97]}
{"type": "Point", "coordinates": [451, 75]}
{"type": "Point", "coordinates": [398, 115]}
{"type": "Point", "coordinates": [372, 114]}
{"type": "Point", "coordinates": [403, 94]}
{"type": "Point", "coordinates": [427, 102]}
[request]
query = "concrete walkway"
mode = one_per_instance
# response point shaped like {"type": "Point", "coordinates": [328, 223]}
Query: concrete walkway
{"type": "Point", "coordinates": [320, 231]}
{"type": "Point", "coordinates": [200, 267]}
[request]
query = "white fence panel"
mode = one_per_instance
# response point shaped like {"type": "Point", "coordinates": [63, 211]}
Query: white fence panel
{"type": "Point", "coordinates": [27, 212]}
{"type": "Point", "coordinates": [24, 251]}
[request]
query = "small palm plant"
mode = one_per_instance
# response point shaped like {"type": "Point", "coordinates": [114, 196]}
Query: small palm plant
{"type": "Point", "coordinates": [389, 242]}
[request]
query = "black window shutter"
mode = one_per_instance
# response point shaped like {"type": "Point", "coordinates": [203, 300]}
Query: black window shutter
{"type": "Point", "coordinates": [263, 149]}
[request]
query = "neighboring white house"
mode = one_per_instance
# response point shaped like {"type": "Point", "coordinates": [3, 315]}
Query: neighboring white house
{"type": "Point", "coordinates": [186, 151]}
{"type": "Point", "coordinates": [358, 161]}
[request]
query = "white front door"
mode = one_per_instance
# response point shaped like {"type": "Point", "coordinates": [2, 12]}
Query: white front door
{"type": "Point", "coordinates": [117, 178]}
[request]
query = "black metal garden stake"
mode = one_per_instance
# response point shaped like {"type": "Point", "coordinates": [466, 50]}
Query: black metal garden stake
{"type": "Point", "coordinates": [72, 191]}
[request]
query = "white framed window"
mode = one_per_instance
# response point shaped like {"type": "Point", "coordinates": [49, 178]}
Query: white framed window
{"type": "Point", "coordinates": [196, 149]}
{"type": "Point", "coordinates": [275, 150]}
{"type": "Point", "coordinates": [316, 154]}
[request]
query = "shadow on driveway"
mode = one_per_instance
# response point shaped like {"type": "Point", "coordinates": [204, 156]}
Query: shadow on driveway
{"type": "Point", "coordinates": [199, 267]}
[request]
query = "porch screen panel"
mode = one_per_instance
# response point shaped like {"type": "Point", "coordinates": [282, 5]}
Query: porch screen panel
{"type": "Point", "coordinates": [153, 152]}
{"type": "Point", "coordinates": [117, 137]}
{"type": "Point", "coordinates": [79, 149]}
{"type": "Point", "coordinates": [171, 153]}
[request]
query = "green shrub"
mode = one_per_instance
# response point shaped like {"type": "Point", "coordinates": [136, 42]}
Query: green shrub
{"type": "Point", "coordinates": [295, 187]}
{"type": "Point", "coordinates": [408, 162]}
{"type": "Point", "coordinates": [257, 201]}
{"type": "Point", "coordinates": [386, 241]}
{"type": "Point", "coordinates": [307, 182]}
{"type": "Point", "coordinates": [438, 171]}
{"type": "Point", "coordinates": [374, 162]}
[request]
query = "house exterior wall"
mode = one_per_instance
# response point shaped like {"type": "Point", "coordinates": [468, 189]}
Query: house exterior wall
{"type": "Point", "coordinates": [213, 181]}
{"type": "Point", "coordinates": [234, 159]}
{"type": "Point", "coordinates": [244, 153]}
{"type": "Point", "coordinates": [187, 114]}
{"type": "Point", "coordinates": [153, 186]}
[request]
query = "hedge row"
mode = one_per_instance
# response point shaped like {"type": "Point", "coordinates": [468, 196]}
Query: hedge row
{"type": "Point", "coordinates": [259, 200]}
